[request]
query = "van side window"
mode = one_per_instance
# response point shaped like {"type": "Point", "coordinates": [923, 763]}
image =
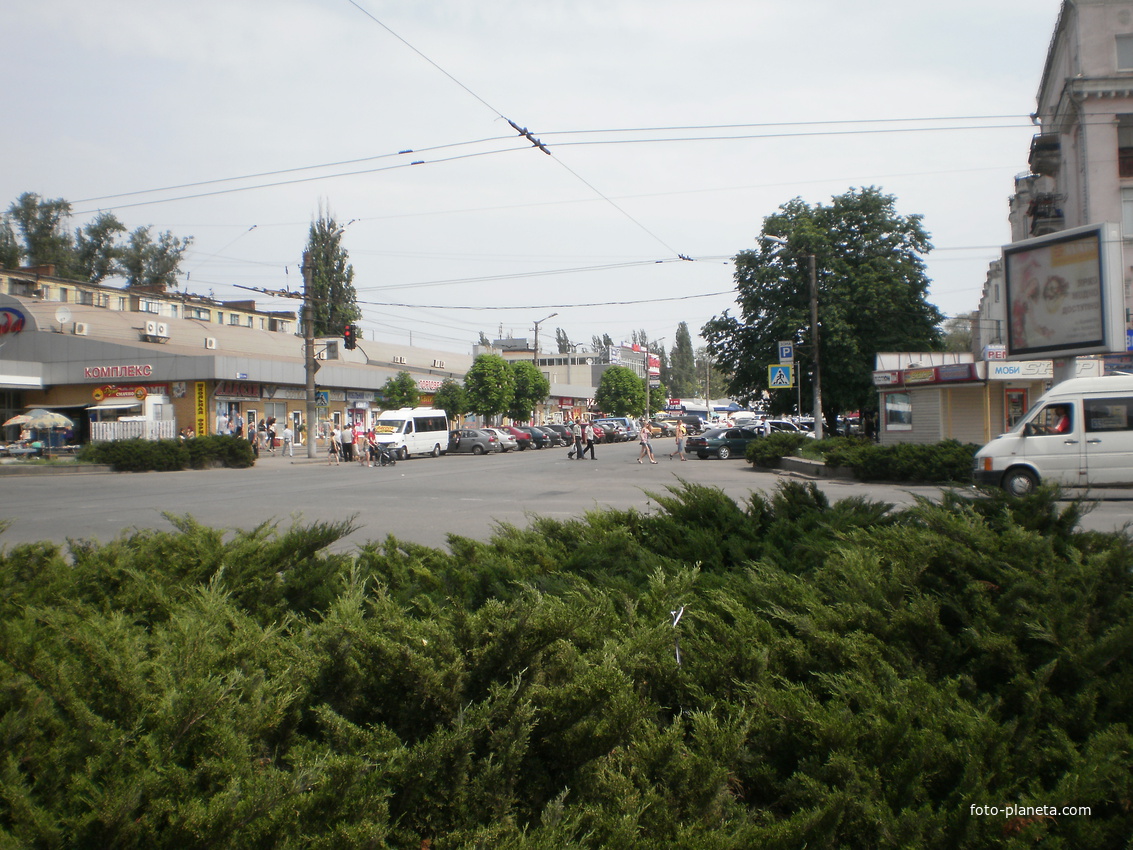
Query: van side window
{"type": "Point", "coordinates": [1108, 414]}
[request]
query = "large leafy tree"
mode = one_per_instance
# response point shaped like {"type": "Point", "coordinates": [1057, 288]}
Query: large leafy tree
{"type": "Point", "coordinates": [400, 391]}
{"type": "Point", "coordinates": [334, 299]}
{"type": "Point", "coordinates": [620, 392]}
{"type": "Point", "coordinates": [152, 264]}
{"type": "Point", "coordinates": [42, 228]}
{"type": "Point", "coordinates": [451, 398]}
{"type": "Point", "coordinates": [10, 252]}
{"type": "Point", "coordinates": [97, 252]}
{"type": "Point", "coordinates": [490, 384]}
{"type": "Point", "coordinates": [531, 390]}
{"type": "Point", "coordinates": [682, 371]}
{"type": "Point", "coordinates": [562, 341]}
{"type": "Point", "coordinates": [871, 297]}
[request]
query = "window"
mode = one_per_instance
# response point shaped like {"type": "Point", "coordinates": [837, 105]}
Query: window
{"type": "Point", "coordinates": [62, 294]}
{"type": "Point", "coordinates": [1108, 414]}
{"type": "Point", "coordinates": [219, 318]}
{"type": "Point", "coordinates": [233, 319]}
{"type": "Point", "coordinates": [1125, 52]}
{"type": "Point", "coordinates": [1125, 145]}
{"type": "Point", "coordinates": [121, 303]}
{"type": "Point", "coordinates": [1053, 419]}
{"type": "Point", "coordinates": [898, 412]}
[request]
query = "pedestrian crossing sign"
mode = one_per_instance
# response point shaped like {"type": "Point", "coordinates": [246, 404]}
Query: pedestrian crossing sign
{"type": "Point", "coordinates": [781, 377]}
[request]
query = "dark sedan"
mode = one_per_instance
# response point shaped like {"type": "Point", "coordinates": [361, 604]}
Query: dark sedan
{"type": "Point", "coordinates": [539, 439]}
{"type": "Point", "coordinates": [721, 442]}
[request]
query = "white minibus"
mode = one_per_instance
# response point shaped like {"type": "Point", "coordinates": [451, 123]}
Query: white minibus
{"type": "Point", "coordinates": [413, 431]}
{"type": "Point", "coordinates": [1080, 434]}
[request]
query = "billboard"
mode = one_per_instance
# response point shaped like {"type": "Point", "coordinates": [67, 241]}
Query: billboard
{"type": "Point", "coordinates": [1065, 293]}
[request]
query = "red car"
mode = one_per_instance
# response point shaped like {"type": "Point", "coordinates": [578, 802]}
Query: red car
{"type": "Point", "coordinates": [521, 437]}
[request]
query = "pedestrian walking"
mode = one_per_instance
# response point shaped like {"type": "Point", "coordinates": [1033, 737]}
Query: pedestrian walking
{"type": "Point", "coordinates": [588, 437]}
{"type": "Point", "coordinates": [646, 448]}
{"type": "Point", "coordinates": [576, 433]}
{"type": "Point", "coordinates": [288, 441]}
{"type": "Point", "coordinates": [333, 447]}
{"type": "Point", "coordinates": [271, 436]}
{"type": "Point", "coordinates": [680, 434]}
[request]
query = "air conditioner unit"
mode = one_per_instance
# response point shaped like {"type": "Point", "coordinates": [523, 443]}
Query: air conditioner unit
{"type": "Point", "coordinates": [210, 342]}
{"type": "Point", "coordinates": [151, 328]}
{"type": "Point", "coordinates": [398, 359]}
{"type": "Point", "coordinates": [80, 328]}
{"type": "Point", "coordinates": [438, 364]}
{"type": "Point", "coordinates": [162, 329]}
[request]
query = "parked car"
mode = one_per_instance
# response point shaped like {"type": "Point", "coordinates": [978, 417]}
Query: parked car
{"type": "Point", "coordinates": [721, 442]}
{"type": "Point", "coordinates": [506, 438]}
{"type": "Point", "coordinates": [539, 439]}
{"type": "Point", "coordinates": [662, 428]}
{"type": "Point", "coordinates": [786, 426]}
{"type": "Point", "coordinates": [472, 441]}
{"type": "Point", "coordinates": [522, 437]}
{"type": "Point", "coordinates": [565, 436]}
{"type": "Point", "coordinates": [555, 439]}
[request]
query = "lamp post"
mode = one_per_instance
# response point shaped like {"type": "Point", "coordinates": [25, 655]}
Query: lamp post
{"type": "Point", "coordinates": [814, 334]}
{"type": "Point", "coordinates": [535, 354]}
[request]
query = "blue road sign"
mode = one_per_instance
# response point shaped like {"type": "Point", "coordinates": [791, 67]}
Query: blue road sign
{"type": "Point", "coordinates": [781, 377]}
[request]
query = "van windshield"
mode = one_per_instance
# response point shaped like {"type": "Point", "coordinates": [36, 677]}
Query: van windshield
{"type": "Point", "coordinates": [389, 426]}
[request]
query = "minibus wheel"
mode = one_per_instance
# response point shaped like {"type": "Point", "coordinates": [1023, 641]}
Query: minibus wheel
{"type": "Point", "coordinates": [1020, 481]}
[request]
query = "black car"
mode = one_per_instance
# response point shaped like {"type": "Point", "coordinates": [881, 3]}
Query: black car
{"type": "Point", "coordinates": [539, 439]}
{"type": "Point", "coordinates": [565, 435]}
{"type": "Point", "coordinates": [722, 442]}
{"type": "Point", "coordinates": [557, 439]}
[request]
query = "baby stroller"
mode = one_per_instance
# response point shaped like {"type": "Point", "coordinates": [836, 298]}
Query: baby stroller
{"type": "Point", "coordinates": [385, 457]}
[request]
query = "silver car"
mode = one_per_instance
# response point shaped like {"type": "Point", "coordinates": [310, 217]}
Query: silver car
{"type": "Point", "coordinates": [506, 438]}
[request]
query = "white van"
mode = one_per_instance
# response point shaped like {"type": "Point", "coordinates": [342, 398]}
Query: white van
{"type": "Point", "coordinates": [413, 431]}
{"type": "Point", "coordinates": [1080, 434]}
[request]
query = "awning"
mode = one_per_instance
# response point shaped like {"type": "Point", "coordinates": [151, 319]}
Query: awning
{"type": "Point", "coordinates": [20, 382]}
{"type": "Point", "coordinates": [116, 404]}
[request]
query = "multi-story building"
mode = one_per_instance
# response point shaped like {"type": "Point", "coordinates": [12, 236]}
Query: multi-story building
{"type": "Point", "coordinates": [124, 362]}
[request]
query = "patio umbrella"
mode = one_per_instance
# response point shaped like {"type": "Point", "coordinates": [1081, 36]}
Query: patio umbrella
{"type": "Point", "coordinates": [21, 419]}
{"type": "Point", "coordinates": [40, 418]}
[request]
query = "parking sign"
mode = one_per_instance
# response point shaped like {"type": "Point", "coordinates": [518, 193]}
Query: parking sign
{"type": "Point", "coordinates": [786, 351]}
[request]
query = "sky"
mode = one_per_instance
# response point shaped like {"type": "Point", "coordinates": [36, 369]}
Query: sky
{"type": "Point", "coordinates": [673, 129]}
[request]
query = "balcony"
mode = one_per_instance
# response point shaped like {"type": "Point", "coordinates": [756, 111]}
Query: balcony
{"type": "Point", "coordinates": [1046, 154]}
{"type": "Point", "coordinates": [1045, 214]}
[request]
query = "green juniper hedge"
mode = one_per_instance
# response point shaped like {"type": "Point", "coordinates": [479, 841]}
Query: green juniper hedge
{"type": "Point", "coordinates": [171, 455]}
{"type": "Point", "coordinates": [849, 676]}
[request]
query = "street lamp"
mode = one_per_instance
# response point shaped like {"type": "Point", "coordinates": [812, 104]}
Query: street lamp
{"type": "Point", "coordinates": [535, 356]}
{"type": "Point", "coordinates": [814, 334]}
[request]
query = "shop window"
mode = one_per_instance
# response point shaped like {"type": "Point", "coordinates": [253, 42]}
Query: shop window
{"type": "Point", "coordinates": [898, 412]}
{"type": "Point", "coordinates": [1125, 145]}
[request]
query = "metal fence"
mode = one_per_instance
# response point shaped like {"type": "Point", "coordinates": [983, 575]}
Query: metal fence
{"type": "Point", "coordinates": [105, 432]}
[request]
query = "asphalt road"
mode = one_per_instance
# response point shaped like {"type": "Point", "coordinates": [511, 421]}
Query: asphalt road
{"type": "Point", "coordinates": [422, 500]}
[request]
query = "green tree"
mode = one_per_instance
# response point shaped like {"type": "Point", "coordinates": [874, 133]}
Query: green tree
{"type": "Point", "coordinates": [600, 343]}
{"type": "Point", "coordinates": [562, 341]}
{"type": "Point", "coordinates": [710, 379]}
{"type": "Point", "coordinates": [41, 224]}
{"type": "Point", "coordinates": [682, 373]}
{"type": "Point", "coordinates": [10, 252]}
{"type": "Point", "coordinates": [620, 392]}
{"type": "Point", "coordinates": [872, 292]}
{"type": "Point", "coordinates": [490, 384]}
{"type": "Point", "coordinates": [150, 264]}
{"type": "Point", "coordinates": [957, 332]}
{"type": "Point", "coordinates": [531, 390]}
{"type": "Point", "coordinates": [451, 398]}
{"type": "Point", "coordinates": [400, 391]}
{"type": "Point", "coordinates": [97, 252]}
{"type": "Point", "coordinates": [332, 278]}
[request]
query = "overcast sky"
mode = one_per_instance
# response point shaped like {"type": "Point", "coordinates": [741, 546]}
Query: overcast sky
{"type": "Point", "coordinates": [674, 129]}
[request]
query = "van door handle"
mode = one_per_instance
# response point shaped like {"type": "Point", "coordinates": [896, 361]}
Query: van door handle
{"type": "Point", "coordinates": [1070, 442]}
{"type": "Point", "coordinates": [1091, 442]}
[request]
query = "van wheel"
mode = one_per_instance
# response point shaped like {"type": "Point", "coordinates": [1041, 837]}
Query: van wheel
{"type": "Point", "coordinates": [436, 450]}
{"type": "Point", "coordinates": [1020, 482]}
{"type": "Point", "coordinates": [404, 453]}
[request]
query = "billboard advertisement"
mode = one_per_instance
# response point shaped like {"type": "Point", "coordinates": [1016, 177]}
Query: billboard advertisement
{"type": "Point", "coordinates": [1065, 293]}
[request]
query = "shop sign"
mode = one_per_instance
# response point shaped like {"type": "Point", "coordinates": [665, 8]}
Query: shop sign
{"type": "Point", "coordinates": [200, 407]}
{"type": "Point", "coordinates": [238, 390]}
{"type": "Point", "coordinates": [566, 402]}
{"type": "Point", "coordinates": [920, 376]}
{"type": "Point", "coordinates": [889, 378]}
{"type": "Point", "coordinates": [1021, 370]}
{"type": "Point", "coordinates": [428, 385]}
{"type": "Point", "coordinates": [995, 352]}
{"type": "Point", "coordinates": [135, 370]}
{"type": "Point", "coordinates": [11, 321]}
{"type": "Point", "coordinates": [954, 372]}
{"type": "Point", "coordinates": [134, 391]}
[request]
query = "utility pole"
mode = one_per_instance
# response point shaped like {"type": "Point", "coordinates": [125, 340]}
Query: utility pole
{"type": "Point", "coordinates": [309, 364]}
{"type": "Point", "coordinates": [814, 339]}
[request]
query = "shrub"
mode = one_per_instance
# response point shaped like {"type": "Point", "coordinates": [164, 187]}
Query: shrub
{"type": "Point", "coordinates": [949, 461]}
{"type": "Point", "coordinates": [769, 450]}
{"type": "Point", "coordinates": [170, 455]}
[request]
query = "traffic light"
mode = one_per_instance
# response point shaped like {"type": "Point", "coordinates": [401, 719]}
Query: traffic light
{"type": "Point", "coordinates": [350, 336]}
